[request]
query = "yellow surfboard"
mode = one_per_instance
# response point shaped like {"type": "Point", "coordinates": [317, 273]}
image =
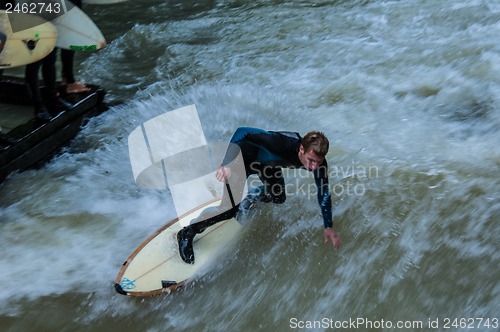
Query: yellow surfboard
{"type": "Point", "coordinates": [155, 267]}
{"type": "Point", "coordinates": [26, 46]}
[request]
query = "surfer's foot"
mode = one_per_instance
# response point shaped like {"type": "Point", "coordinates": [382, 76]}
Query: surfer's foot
{"type": "Point", "coordinates": [185, 240]}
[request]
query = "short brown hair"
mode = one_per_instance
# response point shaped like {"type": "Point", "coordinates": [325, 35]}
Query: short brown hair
{"type": "Point", "coordinates": [317, 142]}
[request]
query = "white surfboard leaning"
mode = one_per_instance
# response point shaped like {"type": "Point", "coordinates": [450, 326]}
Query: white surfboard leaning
{"type": "Point", "coordinates": [77, 31]}
{"type": "Point", "coordinates": [28, 45]}
{"type": "Point", "coordinates": [155, 267]}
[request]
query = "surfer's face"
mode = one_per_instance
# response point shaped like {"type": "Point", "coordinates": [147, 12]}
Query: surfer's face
{"type": "Point", "coordinates": [310, 160]}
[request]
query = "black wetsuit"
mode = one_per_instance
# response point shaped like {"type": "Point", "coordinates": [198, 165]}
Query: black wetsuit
{"type": "Point", "coordinates": [265, 153]}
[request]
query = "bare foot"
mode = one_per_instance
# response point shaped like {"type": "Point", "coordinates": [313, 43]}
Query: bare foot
{"type": "Point", "coordinates": [76, 87]}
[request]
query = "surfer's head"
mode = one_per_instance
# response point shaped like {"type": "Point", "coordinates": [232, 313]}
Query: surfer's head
{"type": "Point", "coordinates": [313, 149]}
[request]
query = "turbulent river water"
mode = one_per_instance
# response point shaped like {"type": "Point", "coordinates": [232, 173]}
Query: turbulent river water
{"type": "Point", "coordinates": [408, 93]}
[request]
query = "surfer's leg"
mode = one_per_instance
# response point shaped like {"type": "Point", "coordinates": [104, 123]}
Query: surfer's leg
{"type": "Point", "coordinates": [230, 202]}
{"type": "Point", "coordinates": [207, 218]}
{"type": "Point", "coordinates": [228, 208]}
{"type": "Point", "coordinates": [213, 218]}
{"type": "Point", "coordinates": [186, 235]}
{"type": "Point", "coordinates": [272, 177]}
{"type": "Point", "coordinates": [72, 86]}
{"type": "Point", "coordinates": [67, 74]}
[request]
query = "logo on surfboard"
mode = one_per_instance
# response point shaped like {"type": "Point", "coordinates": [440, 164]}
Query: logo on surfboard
{"type": "Point", "coordinates": [127, 284]}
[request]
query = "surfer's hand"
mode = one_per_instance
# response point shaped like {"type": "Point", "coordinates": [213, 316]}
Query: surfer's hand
{"type": "Point", "coordinates": [223, 174]}
{"type": "Point", "coordinates": [334, 237]}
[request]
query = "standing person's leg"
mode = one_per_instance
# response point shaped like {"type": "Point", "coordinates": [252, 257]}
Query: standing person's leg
{"type": "Point", "coordinates": [67, 59]}
{"type": "Point", "coordinates": [68, 76]}
{"type": "Point", "coordinates": [31, 79]}
{"type": "Point", "coordinates": [49, 79]}
{"type": "Point", "coordinates": [32, 84]}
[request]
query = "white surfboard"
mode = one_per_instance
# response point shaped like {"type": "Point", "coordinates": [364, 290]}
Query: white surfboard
{"type": "Point", "coordinates": [28, 45]}
{"type": "Point", "coordinates": [77, 31]}
{"type": "Point", "coordinates": [155, 267]}
{"type": "Point", "coordinates": [170, 152]}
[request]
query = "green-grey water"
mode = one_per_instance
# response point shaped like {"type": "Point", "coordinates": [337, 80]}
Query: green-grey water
{"type": "Point", "coordinates": [408, 93]}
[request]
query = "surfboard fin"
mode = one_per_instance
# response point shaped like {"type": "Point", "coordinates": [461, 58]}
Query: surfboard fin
{"type": "Point", "coordinates": [119, 289]}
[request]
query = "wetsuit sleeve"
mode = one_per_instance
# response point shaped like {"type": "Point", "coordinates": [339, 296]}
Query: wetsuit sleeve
{"type": "Point", "coordinates": [235, 145]}
{"type": "Point", "coordinates": [255, 142]}
{"type": "Point", "coordinates": [324, 196]}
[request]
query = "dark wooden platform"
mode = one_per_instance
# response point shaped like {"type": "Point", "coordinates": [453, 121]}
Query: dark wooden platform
{"type": "Point", "coordinates": [31, 142]}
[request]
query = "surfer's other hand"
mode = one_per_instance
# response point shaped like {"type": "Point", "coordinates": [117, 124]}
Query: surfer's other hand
{"type": "Point", "coordinates": [223, 173]}
{"type": "Point", "coordinates": [334, 237]}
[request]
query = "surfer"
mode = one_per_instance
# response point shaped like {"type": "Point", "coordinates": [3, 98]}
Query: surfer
{"type": "Point", "coordinates": [264, 154]}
